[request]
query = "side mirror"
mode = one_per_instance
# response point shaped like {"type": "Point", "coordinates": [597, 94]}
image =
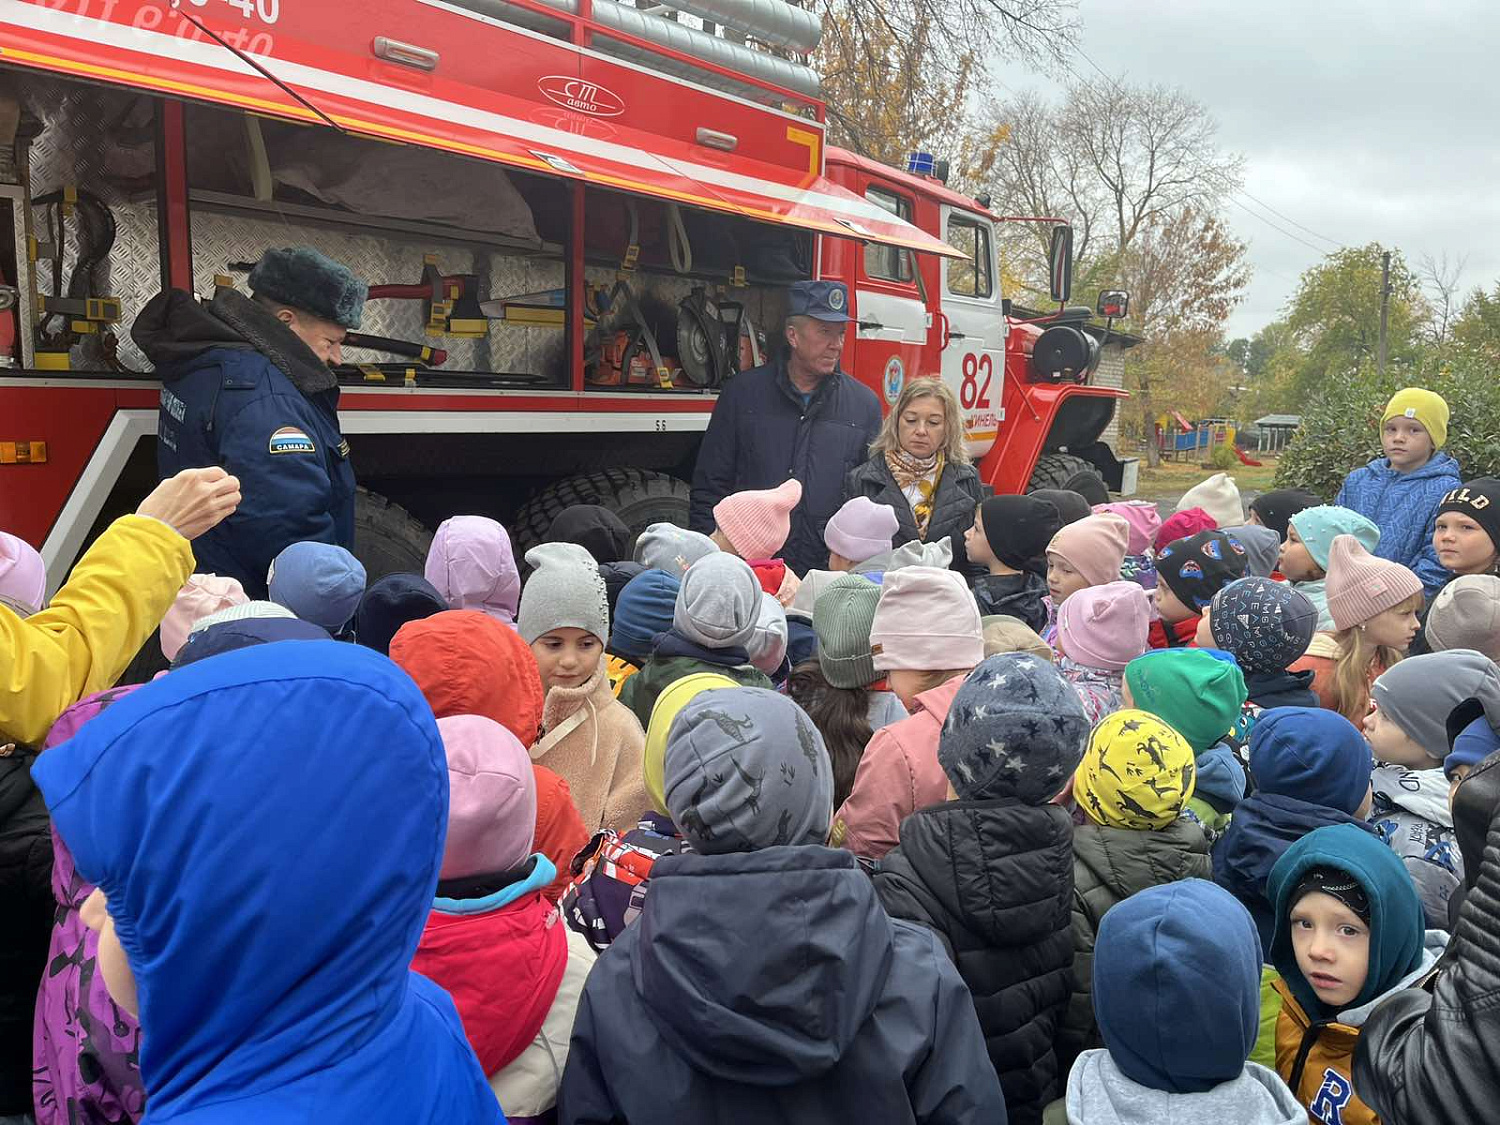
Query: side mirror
{"type": "Point", "coordinates": [1060, 258]}
{"type": "Point", "coordinates": [1114, 304]}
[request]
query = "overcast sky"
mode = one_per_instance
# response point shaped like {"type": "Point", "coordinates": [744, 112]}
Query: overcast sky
{"type": "Point", "coordinates": [1373, 121]}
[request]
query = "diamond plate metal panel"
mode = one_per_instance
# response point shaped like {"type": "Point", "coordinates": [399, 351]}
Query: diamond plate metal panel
{"type": "Point", "coordinates": [100, 139]}
{"type": "Point", "coordinates": [219, 239]}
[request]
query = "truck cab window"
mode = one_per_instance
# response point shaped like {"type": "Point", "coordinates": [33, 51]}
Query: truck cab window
{"type": "Point", "coordinates": [888, 263]}
{"type": "Point", "coordinates": [973, 276]}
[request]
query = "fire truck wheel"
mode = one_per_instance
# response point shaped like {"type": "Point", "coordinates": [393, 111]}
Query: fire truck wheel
{"type": "Point", "coordinates": [1073, 474]}
{"type": "Point", "coordinates": [386, 537]}
{"type": "Point", "coordinates": [640, 498]}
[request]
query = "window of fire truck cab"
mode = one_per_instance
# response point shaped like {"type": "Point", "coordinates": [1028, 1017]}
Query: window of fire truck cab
{"type": "Point", "coordinates": [973, 276]}
{"type": "Point", "coordinates": [888, 263]}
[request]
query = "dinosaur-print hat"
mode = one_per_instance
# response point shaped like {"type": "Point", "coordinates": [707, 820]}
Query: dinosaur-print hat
{"type": "Point", "coordinates": [1137, 772]}
{"type": "Point", "coordinates": [1016, 728]}
{"type": "Point", "coordinates": [746, 769]}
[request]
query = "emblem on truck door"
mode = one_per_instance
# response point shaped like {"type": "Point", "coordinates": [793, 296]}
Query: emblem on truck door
{"type": "Point", "coordinates": [584, 97]}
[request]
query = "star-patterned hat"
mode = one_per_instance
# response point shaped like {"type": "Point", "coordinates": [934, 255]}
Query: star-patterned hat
{"type": "Point", "coordinates": [1016, 728]}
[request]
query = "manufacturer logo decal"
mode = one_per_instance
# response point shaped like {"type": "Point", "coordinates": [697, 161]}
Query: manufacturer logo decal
{"type": "Point", "coordinates": [895, 379]}
{"type": "Point", "coordinates": [581, 96]}
{"type": "Point", "coordinates": [289, 439]}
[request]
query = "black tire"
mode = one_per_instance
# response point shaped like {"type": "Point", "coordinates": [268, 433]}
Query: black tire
{"type": "Point", "coordinates": [387, 540]}
{"type": "Point", "coordinates": [1073, 474]}
{"type": "Point", "coordinates": [640, 498]}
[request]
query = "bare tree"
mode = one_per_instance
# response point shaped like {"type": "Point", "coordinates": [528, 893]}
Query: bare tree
{"type": "Point", "coordinates": [1439, 277]}
{"type": "Point", "coordinates": [1114, 160]}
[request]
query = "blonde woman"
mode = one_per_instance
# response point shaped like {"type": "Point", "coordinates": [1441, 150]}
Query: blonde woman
{"type": "Point", "coordinates": [919, 466]}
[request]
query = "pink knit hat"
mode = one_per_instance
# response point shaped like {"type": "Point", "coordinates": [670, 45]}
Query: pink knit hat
{"type": "Point", "coordinates": [201, 596]}
{"type": "Point", "coordinates": [491, 798]}
{"type": "Point", "coordinates": [1182, 524]}
{"type": "Point", "coordinates": [1360, 586]}
{"type": "Point", "coordinates": [1143, 517]}
{"type": "Point", "coordinates": [23, 577]}
{"type": "Point", "coordinates": [757, 523]}
{"type": "Point", "coordinates": [1093, 546]}
{"type": "Point", "coordinates": [926, 621]}
{"type": "Point", "coordinates": [861, 529]}
{"type": "Point", "coordinates": [1105, 626]}
{"type": "Point", "coordinates": [471, 563]}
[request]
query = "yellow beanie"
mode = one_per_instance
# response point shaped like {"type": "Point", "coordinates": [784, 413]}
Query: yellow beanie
{"type": "Point", "coordinates": [1421, 406]}
{"type": "Point", "coordinates": [673, 698]}
{"type": "Point", "coordinates": [1137, 772]}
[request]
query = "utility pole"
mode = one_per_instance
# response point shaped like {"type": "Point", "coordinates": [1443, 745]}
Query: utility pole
{"type": "Point", "coordinates": [1385, 304]}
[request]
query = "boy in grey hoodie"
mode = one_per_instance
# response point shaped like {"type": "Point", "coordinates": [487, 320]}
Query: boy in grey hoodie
{"type": "Point", "coordinates": [1189, 952]}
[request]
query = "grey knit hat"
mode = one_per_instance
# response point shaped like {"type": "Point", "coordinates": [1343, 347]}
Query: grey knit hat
{"type": "Point", "coordinates": [1466, 614]}
{"type": "Point", "coordinates": [1016, 728]}
{"type": "Point", "coordinates": [719, 602]}
{"type": "Point", "coordinates": [746, 769]}
{"type": "Point", "coordinates": [1262, 547]}
{"type": "Point", "coordinates": [665, 546]}
{"type": "Point", "coordinates": [564, 591]}
{"type": "Point", "coordinates": [841, 618]}
{"type": "Point", "coordinates": [767, 645]}
{"type": "Point", "coordinates": [1420, 694]}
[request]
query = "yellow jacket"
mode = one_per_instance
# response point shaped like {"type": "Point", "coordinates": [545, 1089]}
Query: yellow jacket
{"type": "Point", "coordinates": [82, 642]}
{"type": "Point", "coordinates": [1322, 1080]}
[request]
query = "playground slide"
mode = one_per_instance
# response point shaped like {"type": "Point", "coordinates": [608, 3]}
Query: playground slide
{"type": "Point", "coordinates": [1246, 460]}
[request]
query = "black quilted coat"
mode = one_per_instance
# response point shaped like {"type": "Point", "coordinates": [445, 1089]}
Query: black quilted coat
{"type": "Point", "coordinates": [1431, 1054]}
{"type": "Point", "coordinates": [994, 879]}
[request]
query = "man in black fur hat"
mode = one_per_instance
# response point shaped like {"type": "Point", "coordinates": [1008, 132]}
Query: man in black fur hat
{"type": "Point", "coordinates": [246, 384]}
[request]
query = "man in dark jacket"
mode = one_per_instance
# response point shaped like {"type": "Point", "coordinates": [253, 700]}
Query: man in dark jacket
{"type": "Point", "coordinates": [992, 871]}
{"type": "Point", "coordinates": [1432, 1053]}
{"type": "Point", "coordinates": [799, 417]}
{"type": "Point", "coordinates": [762, 981]}
{"type": "Point", "coordinates": [246, 384]}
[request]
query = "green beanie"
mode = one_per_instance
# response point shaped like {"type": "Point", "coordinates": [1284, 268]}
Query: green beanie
{"type": "Point", "coordinates": [1193, 691]}
{"type": "Point", "coordinates": [842, 618]}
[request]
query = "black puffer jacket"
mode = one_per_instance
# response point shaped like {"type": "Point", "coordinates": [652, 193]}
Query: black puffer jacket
{"type": "Point", "coordinates": [1431, 1054]}
{"type": "Point", "coordinates": [27, 907]}
{"type": "Point", "coordinates": [995, 880]}
{"type": "Point", "coordinates": [1110, 865]}
{"type": "Point", "coordinates": [958, 494]}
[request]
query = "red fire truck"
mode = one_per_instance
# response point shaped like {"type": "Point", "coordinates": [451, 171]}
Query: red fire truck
{"type": "Point", "coordinates": [578, 219]}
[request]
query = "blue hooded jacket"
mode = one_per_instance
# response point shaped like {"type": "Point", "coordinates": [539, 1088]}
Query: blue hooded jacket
{"type": "Point", "coordinates": [269, 880]}
{"type": "Point", "coordinates": [1404, 506]}
{"type": "Point", "coordinates": [1311, 769]}
{"type": "Point", "coordinates": [1177, 986]}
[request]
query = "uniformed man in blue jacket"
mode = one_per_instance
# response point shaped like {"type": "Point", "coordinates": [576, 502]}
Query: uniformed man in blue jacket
{"type": "Point", "coordinates": [798, 416]}
{"type": "Point", "coordinates": [246, 384]}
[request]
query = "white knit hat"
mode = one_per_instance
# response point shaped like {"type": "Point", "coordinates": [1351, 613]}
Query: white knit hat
{"type": "Point", "coordinates": [1219, 496]}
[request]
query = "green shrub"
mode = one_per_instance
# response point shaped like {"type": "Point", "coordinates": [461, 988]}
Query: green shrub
{"type": "Point", "coordinates": [1223, 457]}
{"type": "Point", "coordinates": [1341, 425]}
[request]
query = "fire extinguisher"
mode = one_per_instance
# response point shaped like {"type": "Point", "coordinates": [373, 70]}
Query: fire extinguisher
{"type": "Point", "coordinates": [10, 298]}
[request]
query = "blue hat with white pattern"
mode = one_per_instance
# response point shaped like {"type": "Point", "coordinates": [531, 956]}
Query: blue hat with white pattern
{"type": "Point", "coordinates": [1016, 728]}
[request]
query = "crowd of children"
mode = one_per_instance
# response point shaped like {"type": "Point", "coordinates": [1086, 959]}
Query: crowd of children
{"type": "Point", "coordinates": [1092, 817]}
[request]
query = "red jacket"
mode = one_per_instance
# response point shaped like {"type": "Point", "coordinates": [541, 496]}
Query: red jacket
{"type": "Point", "coordinates": [1184, 633]}
{"type": "Point", "coordinates": [503, 968]}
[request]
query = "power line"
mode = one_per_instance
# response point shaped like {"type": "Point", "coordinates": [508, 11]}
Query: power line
{"type": "Point", "coordinates": [1277, 229]}
{"type": "Point", "coordinates": [1291, 220]}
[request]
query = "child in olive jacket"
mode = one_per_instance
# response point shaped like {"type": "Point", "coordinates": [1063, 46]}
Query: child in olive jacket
{"type": "Point", "coordinates": [1137, 774]}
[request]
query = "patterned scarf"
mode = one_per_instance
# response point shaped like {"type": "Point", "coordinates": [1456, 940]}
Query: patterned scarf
{"type": "Point", "coordinates": [921, 473]}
